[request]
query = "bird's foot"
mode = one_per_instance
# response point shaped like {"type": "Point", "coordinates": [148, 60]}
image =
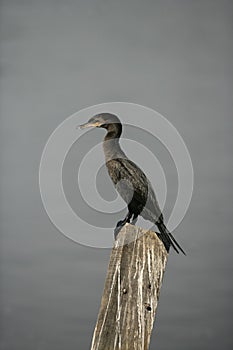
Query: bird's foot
{"type": "Point", "coordinates": [121, 223]}
{"type": "Point", "coordinates": [118, 227]}
{"type": "Point", "coordinates": [116, 231]}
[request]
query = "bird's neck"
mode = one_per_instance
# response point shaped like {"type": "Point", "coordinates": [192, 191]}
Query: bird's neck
{"type": "Point", "coordinates": [111, 145]}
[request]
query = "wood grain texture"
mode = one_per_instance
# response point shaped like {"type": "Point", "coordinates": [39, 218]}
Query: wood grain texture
{"type": "Point", "coordinates": [131, 291]}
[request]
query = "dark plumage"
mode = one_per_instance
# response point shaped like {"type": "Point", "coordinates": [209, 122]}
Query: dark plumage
{"type": "Point", "coordinates": [130, 181]}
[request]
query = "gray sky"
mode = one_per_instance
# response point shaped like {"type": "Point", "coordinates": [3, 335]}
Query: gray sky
{"type": "Point", "coordinates": [58, 57]}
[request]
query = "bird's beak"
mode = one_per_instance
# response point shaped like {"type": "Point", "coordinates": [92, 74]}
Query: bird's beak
{"type": "Point", "coordinates": [88, 125]}
{"type": "Point", "coordinates": [83, 126]}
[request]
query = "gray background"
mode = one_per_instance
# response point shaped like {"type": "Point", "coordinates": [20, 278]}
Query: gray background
{"type": "Point", "coordinates": [60, 56]}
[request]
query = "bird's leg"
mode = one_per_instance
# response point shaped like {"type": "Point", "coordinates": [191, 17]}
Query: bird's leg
{"type": "Point", "coordinates": [121, 223]}
{"type": "Point", "coordinates": [126, 219]}
{"type": "Point", "coordinates": [135, 218]}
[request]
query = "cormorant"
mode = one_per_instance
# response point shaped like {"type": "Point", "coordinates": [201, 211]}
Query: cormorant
{"type": "Point", "coordinates": [130, 181]}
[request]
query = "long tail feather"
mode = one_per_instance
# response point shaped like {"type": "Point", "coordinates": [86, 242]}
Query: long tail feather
{"type": "Point", "coordinates": [167, 238]}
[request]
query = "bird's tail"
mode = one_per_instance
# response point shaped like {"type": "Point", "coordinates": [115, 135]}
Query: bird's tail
{"type": "Point", "coordinates": [167, 238]}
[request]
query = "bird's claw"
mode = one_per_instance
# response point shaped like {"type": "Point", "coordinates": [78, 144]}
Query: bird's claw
{"type": "Point", "coordinates": [120, 223]}
{"type": "Point", "coordinates": [118, 227]}
{"type": "Point", "coordinates": [116, 231]}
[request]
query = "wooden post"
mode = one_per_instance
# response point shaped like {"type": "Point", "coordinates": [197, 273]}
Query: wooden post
{"type": "Point", "coordinates": [131, 291]}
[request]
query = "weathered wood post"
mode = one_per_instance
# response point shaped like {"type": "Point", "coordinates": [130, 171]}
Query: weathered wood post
{"type": "Point", "coordinates": [131, 291]}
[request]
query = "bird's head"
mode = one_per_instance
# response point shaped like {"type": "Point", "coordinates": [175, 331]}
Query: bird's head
{"type": "Point", "coordinates": [102, 120]}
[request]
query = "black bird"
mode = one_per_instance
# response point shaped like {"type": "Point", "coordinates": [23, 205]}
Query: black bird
{"type": "Point", "coordinates": [130, 181]}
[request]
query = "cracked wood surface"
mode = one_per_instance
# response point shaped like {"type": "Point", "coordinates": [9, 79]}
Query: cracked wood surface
{"type": "Point", "coordinates": [131, 291]}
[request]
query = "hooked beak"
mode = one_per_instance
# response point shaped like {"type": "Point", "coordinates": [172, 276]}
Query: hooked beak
{"type": "Point", "coordinates": [88, 125]}
{"type": "Point", "coordinates": [83, 126]}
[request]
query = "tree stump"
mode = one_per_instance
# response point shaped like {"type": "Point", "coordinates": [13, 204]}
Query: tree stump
{"type": "Point", "coordinates": [131, 291]}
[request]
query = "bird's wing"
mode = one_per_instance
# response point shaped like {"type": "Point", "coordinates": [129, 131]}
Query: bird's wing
{"type": "Point", "coordinates": [151, 210]}
{"type": "Point", "coordinates": [132, 183]}
{"type": "Point", "coordinates": [128, 179]}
